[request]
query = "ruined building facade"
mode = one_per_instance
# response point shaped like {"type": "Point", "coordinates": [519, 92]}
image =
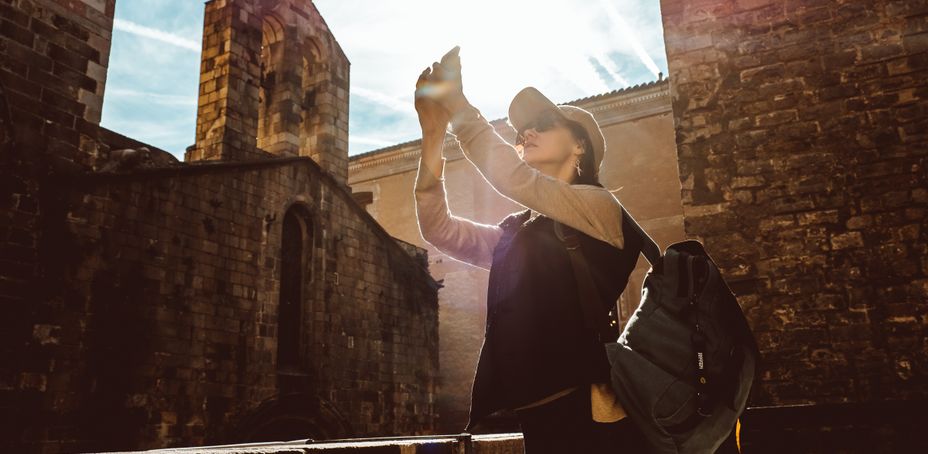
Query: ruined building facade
{"type": "Point", "coordinates": [241, 295]}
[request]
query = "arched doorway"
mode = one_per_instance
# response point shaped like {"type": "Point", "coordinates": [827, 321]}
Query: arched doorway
{"type": "Point", "coordinates": [293, 417]}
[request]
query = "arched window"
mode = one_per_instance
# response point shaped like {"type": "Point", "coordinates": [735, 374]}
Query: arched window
{"type": "Point", "coordinates": [295, 241]}
{"type": "Point", "coordinates": [272, 42]}
{"type": "Point", "coordinates": [314, 75]}
{"type": "Point", "coordinates": [280, 91]}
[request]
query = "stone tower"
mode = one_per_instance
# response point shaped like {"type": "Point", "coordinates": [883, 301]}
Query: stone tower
{"type": "Point", "coordinates": [273, 81]}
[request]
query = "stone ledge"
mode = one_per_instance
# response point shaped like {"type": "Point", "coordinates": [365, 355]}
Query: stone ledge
{"type": "Point", "coordinates": [504, 443]}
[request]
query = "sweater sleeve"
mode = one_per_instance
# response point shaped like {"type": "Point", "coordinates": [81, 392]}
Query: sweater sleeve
{"type": "Point", "coordinates": [459, 238]}
{"type": "Point", "coordinates": [591, 209]}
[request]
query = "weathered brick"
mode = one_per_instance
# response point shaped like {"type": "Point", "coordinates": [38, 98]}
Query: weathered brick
{"type": "Point", "coordinates": [825, 103]}
{"type": "Point", "coordinates": [177, 303]}
{"type": "Point", "coordinates": [17, 33]}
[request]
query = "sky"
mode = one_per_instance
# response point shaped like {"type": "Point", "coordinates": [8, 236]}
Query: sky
{"type": "Point", "coordinates": [564, 51]}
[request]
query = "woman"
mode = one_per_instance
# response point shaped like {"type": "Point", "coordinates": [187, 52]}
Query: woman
{"type": "Point", "coordinates": [537, 359]}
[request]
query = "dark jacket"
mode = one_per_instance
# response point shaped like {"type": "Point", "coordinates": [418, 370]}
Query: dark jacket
{"type": "Point", "coordinates": [536, 341]}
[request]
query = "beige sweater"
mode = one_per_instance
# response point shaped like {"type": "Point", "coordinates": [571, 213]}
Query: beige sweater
{"type": "Point", "coordinates": [590, 209]}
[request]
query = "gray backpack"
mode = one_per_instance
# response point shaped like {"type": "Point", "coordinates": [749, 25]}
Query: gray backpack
{"type": "Point", "coordinates": [684, 364]}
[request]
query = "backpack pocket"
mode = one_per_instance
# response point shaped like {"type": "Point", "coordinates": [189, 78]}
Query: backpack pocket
{"type": "Point", "coordinates": [675, 407]}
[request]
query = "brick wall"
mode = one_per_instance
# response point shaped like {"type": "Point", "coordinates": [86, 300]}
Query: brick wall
{"type": "Point", "coordinates": [140, 309]}
{"type": "Point", "coordinates": [53, 60]}
{"type": "Point", "coordinates": [801, 135]}
{"type": "Point", "coordinates": [161, 323]}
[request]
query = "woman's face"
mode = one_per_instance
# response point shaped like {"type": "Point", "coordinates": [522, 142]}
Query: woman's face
{"type": "Point", "coordinates": [550, 147]}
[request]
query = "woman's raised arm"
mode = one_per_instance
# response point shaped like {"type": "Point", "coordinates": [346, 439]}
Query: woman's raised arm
{"type": "Point", "coordinates": [588, 208]}
{"type": "Point", "coordinates": [591, 209]}
{"type": "Point", "coordinates": [459, 238]}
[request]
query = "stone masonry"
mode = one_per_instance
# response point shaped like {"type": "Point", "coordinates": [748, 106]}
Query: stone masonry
{"type": "Point", "coordinates": [272, 80]}
{"type": "Point", "coordinates": [802, 130]}
{"type": "Point", "coordinates": [246, 296]}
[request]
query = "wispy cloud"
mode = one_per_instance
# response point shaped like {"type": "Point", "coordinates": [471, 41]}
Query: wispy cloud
{"type": "Point", "coordinates": [155, 34]}
{"type": "Point", "coordinates": [626, 33]}
{"type": "Point", "coordinates": [157, 98]}
{"type": "Point", "coordinates": [394, 103]}
{"type": "Point", "coordinates": [371, 141]}
{"type": "Point", "coordinates": [565, 52]}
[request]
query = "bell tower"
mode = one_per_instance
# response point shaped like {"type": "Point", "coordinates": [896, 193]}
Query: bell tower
{"type": "Point", "coordinates": [273, 82]}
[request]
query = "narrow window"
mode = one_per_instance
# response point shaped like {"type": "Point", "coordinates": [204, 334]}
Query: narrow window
{"type": "Point", "coordinates": [290, 314]}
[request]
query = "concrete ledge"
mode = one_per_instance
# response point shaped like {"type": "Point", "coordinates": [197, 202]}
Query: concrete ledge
{"type": "Point", "coordinates": [504, 443]}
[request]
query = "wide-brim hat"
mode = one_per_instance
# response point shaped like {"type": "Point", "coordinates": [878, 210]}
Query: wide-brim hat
{"type": "Point", "coordinates": [529, 103]}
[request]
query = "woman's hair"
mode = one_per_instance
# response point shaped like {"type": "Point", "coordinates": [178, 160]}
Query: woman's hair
{"type": "Point", "coordinates": [588, 171]}
{"type": "Point", "coordinates": [587, 159]}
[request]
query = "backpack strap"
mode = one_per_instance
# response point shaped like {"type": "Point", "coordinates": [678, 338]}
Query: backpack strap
{"type": "Point", "coordinates": [649, 247]}
{"type": "Point", "coordinates": [704, 403]}
{"type": "Point", "coordinates": [597, 320]}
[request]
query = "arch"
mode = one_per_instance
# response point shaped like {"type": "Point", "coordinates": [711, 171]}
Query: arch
{"type": "Point", "coordinates": [292, 417]}
{"type": "Point", "coordinates": [315, 74]}
{"type": "Point", "coordinates": [279, 93]}
{"type": "Point", "coordinates": [272, 29]}
{"type": "Point", "coordinates": [311, 47]}
{"type": "Point", "coordinates": [272, 42]}
{"type": "Point", "coordinates": [296, 243]}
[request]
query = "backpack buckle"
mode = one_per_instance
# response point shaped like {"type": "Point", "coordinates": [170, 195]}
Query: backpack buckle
{"type": "Point", "coordinates": [572, 241]}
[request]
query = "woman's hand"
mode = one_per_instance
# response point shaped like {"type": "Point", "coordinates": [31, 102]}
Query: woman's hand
{"type": "Point", "coordinates": [443, 83]}
{"type": "Point", "coordinates": [433, 118]}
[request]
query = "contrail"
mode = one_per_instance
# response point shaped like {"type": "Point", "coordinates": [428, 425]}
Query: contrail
{"type": "Point", "coordinates": [627, 34]}
{"type": "Point", "coordinates": [607, 63]}
{"type": "Point", "coordinates": [151, 33]}
{"type": "Point", "coordinates": [157, 98]}
{"type": "Point", "coordinates": [573, 65]}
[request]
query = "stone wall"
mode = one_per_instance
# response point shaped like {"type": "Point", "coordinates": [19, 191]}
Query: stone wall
{"type": "Point", "coordinates": [161, 327]}
{"type": "Point", "coordinates": [140, 298]}
{"type": "Point", "coordinates": [801, 135]}
{"type": "Point", "coordinates": [53, 60]}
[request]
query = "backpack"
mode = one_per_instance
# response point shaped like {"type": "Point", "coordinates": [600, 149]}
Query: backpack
{"type": "Point", "coordinates": [684, 364]}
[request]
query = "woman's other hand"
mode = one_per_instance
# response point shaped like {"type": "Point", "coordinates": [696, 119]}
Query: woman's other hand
{"type": "Point", "coordinates": [448, 72]}
{"type": "Point", "coordinates": [443, 83]}
{"type": "Point", "coordinates": [433, 118]}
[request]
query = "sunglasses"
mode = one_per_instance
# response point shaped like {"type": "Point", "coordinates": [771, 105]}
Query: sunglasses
{"type": "Point", "coordinates": [544, 122]}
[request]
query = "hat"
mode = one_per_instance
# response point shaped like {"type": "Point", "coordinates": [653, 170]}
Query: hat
{"type": "Point", "coordinates": [529, 103]}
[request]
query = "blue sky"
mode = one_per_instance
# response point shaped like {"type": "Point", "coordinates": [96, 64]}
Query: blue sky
{"type": "Point", "coordinates": [567, 53]}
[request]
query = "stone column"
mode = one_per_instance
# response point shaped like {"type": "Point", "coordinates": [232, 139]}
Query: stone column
{"type": "Point", "coordinates": [227, 112]}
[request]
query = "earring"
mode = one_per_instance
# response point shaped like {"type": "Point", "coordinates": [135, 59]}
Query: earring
{"type": "Point", "coordinates": [577, 164]}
